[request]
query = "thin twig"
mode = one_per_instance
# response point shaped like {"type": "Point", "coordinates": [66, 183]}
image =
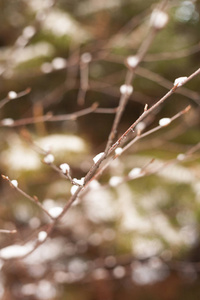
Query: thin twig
{"type": "Point", "coordinates": [129, 77]}
{"type": "Point", "coordinates": [173, 55]}
{"type": "Point", "coordinates": [8, 231]}
{"type": "Point", "coordinates": [148, 111]}
{"type": "Point", "coordinates": [167, 84]}
{"type": "Point", "coordinates": [18, 95]}
{"type": "Point", "coordinates": [133, 141]}
{"type": "Point", "coordinates": [84, 78]}
{"type": "Point", "coordinates": [94, 168]}
{"type": "Point", "coordinates": [32, 199]}
{"type": "Point", "coordinates": [51, 118]}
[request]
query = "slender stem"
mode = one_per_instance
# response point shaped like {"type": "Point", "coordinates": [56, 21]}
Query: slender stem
{"type": "Point", "coordinates": [137, 138]}
{"type": "Point", "coordinates": [19, 95]}
{"type": "Point", "coordinates": [50, 118]}
{"type": "Point", "coordinates": [129, 77]}
{"type": "Point", "coordinates": [32, 199]}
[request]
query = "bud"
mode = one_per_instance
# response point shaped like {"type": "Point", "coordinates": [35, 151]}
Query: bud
{"type": "Point", "coordinates": [126, 89]}
{"type": "Point", "coordinates": [86, 57]}
{"type": "Point", "coordinates": [164, 122]}
{"type": "Point", "coordinates": [42, 235]}
{"type": "Point", "coordinates": [158, 19]}
{"type": "Point", "coordinates": [14, 183]}
{"type": "Point", "coordinates": [98, 157]}
{"type": "Point", "coordinates": [49, 159]}
{"type": "Point", "coordinates": [180, 81]}
{"type": "Point", "coordinates": [7, 122]}
{"type": "Point", "coordinates": [55, 211]}
{"type": "Point", "coordinates": [12, 95]}
{"type": "Point", "coordinates": [135, 172]}
{"type": "Point", "coordinates": [28, 32]}
{"type": "Point", "coordinates": [181, 156]}
{"type": "Point", "coordinates": [65, 168]}
{"type": "Point", "coordinates": [59, 63]}
{"type": "Point", "coordinates": [118, 150]}
{"type": "Point", "coordinates": [132, 61]}
{"type": "Point", "coordinates": [74, 188]}
{"type": "Point", "coordinates": [140, 126]}
{"type": "Point", "coordinates": [79, 181]}
{"type": "Point", "coordinates": [115, 180]}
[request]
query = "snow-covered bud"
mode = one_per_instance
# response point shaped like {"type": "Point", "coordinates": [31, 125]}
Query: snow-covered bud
{"type": "Point", "coordinates": [59, 63]}
{"type": "Point", "coordinates": [79, 181]}
{"type": "Point", "coordinates": [14, 183]}
{"type": "Point", "coordinates": [42, 235]}
{"type": "Point", "coordinates": [15, 251]}
{"type": "Point", "coordinates": [12, 95]}
{"type": "Point", "coordinates": [181, 156]}
{"type": "Point", "coordinates": [132, 61]}
{"type": "Point", "coordinates": [126, 89]}
{"type": "Point", "coordinates": [65, 168]}
{"type": "Point", "coordinates": [135, 172]}
{"type": "Point", "coordinates": [49, 159]}
{"type": "Point", "coordinates": [164, 122]}
{"type": "Point", "coordinates": [115, 180]}
{"type": "Point", "coordinates": [74, 188]}
{"type": "Point", "coordinates": [180, 81]}
{"type": "Point", "coordinates": [158, 19]}
{"type": "Point", "coordinates": [98, 157]}
{"type": "Point", "coordinates": [140, 126]}
{"type": "Point", "coordinates": [28, 32]}
{"type": "Point", "coordinates": [94, 185]}
{"type": "Point", "coordinates": [118, 151]}
{"type": "Point", "coordinates": [47, 148]}
{"type": "Point", "coordinates": [55, 211]}
{"type": "Point", "coordinates": [86, 57]}
{"type": "Point", "coordinates": [7, 122]}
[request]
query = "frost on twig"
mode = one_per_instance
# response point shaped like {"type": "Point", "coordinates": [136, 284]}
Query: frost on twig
{"type": "Point", "coordinates": [126, 89]}
{"type": "Point", "coordinates": [12, 95]}
{"type": "Point", "coordinates": [49, 159]}
{"type": "Point", "coordinates": [180, 81]}
{"type": "Point", "coordinates": [113, 149]}
{"type": "Point", "coordinates": [79, 182]}
{"type": "Point", "coordinates": [118, 151]}
{"type": "Point", "coordinates": [8, 231]}
{"type": "Point", "coordinates": [7, 122]}
{"type": "Point", "coordinates": [65, 168]}
{"type": "Point", "coordinates": [140, 127]}
{"type": "Point", "coordinates": [98, 157]}
{"type": "Point", "coordinates": [158, 19]}
{"type": "Point", "coordinates": [115, 180]}
{"type": "Point", "coordinates": [74, 188]}
{"type": "Point", "coordinates": [135, 172]}
{"type": "Point", "coordinates": [181, 156]}
{"type": "Point", "coordinates": [164, 122]}
{"type": "Point", "coordinates": [16, 251]}
{"type": "Point", "coordinates": [14, 183]}
{"type": "Point", "coordinates": [55, 211]}
{"type": "Point", "coordinates": [86, 57]}
{"type": "Point", "coordinates": [132, 61]}
{"type": "Point", "coordinates": [42, 235]}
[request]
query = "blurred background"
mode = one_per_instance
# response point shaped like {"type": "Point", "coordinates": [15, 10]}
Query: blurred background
{"type": "Point", "coordinates": [126, 238]}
